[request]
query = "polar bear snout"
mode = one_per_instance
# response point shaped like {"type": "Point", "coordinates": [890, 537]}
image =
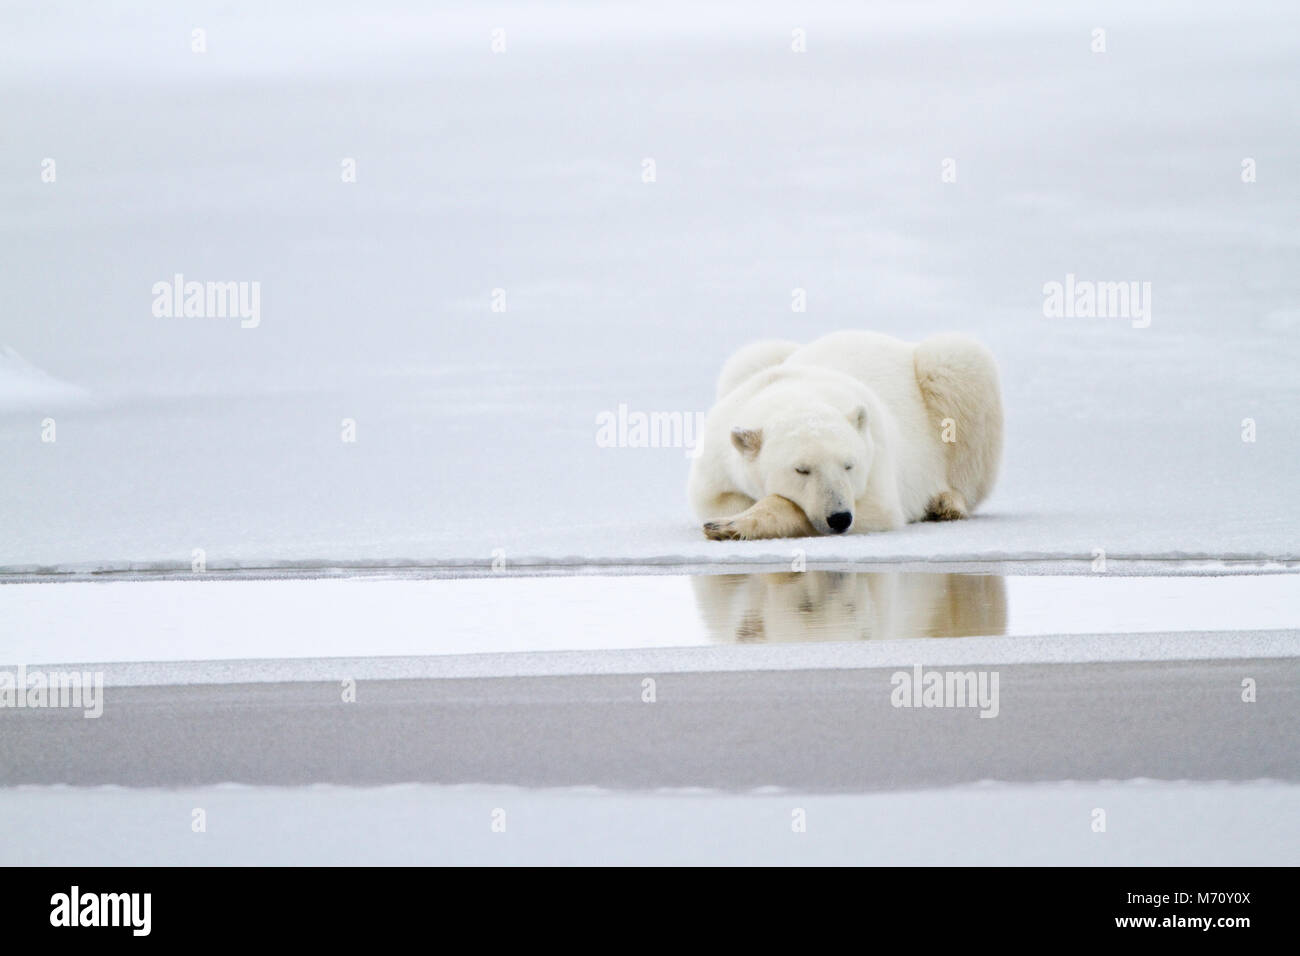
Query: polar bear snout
{"type": "Point", "coordinates": [840, 521]}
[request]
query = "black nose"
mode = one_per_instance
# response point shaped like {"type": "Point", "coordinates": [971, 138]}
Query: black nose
{"type": "Point", "coordinates": [840, 521]}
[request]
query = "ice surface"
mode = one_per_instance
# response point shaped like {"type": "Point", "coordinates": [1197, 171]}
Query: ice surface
{"type": "Point", "coordinates": [1236, 824]}
{"type": "Point", "coordinates": [522, 171]}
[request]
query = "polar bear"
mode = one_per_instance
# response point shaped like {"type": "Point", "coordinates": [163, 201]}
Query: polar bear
{"type": "Point", "coordinates": [855, 432]}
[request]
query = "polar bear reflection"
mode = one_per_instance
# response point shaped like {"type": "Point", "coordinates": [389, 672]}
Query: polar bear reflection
{"type": "Point", "coordinates": [844, 606]}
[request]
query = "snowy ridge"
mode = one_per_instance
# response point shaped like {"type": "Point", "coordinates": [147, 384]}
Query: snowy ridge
{"type": "Point", "coordinates": [954, 652]}
{"type": "Point", "coordinates": [23, 385]}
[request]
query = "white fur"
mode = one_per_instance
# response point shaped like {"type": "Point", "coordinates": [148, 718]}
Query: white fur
{"type": "Point", "coordinates": [857, 399]}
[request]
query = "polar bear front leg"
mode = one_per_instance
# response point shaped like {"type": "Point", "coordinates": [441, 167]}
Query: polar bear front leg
{"type": "Point", "coordinates": [770, 517]}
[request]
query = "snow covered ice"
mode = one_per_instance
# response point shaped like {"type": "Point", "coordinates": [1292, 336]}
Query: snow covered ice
{"type": "Point", "coordinates": [775, 171]}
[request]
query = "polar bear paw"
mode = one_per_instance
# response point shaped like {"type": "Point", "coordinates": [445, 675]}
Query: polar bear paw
{"type": "Point", "coordinates": [772, 517]}
{"type": "Point", "coordinates": [729, 529]}
{"type": "Point", "coordinates": [946, 506]}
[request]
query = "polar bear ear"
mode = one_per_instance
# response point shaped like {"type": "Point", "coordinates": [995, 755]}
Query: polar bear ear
{"type": "Point", "coordinates": [858, 418]}
{"type": "Point", "coordinates": [747, 440]}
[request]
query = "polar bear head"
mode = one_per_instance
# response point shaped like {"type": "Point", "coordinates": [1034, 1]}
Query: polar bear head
{"type": "Point", "coordinates": [819, 459]}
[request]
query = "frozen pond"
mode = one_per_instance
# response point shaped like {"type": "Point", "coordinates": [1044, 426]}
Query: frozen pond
{"type": "Point", "coordinates": [198, 619]}
{"type": "Point", "coordinates": [657, 718]}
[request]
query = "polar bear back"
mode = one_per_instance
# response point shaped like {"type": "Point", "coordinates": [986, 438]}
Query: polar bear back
{"type": "Point", "coordinates": [884, 364]}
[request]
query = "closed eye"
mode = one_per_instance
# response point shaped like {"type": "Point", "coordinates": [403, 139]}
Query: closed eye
{"type": "Point", "coordinates": [802, 471]}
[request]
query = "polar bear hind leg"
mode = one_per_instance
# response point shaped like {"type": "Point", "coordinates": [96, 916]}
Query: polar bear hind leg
{"type": "Point", "coordinates": [958, 378]}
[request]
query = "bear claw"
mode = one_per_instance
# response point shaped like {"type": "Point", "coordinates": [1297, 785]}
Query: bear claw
{"type": "Point", "coordinates": [946, 506]}
{"type": "Point", "coordinates": [720, 531]}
